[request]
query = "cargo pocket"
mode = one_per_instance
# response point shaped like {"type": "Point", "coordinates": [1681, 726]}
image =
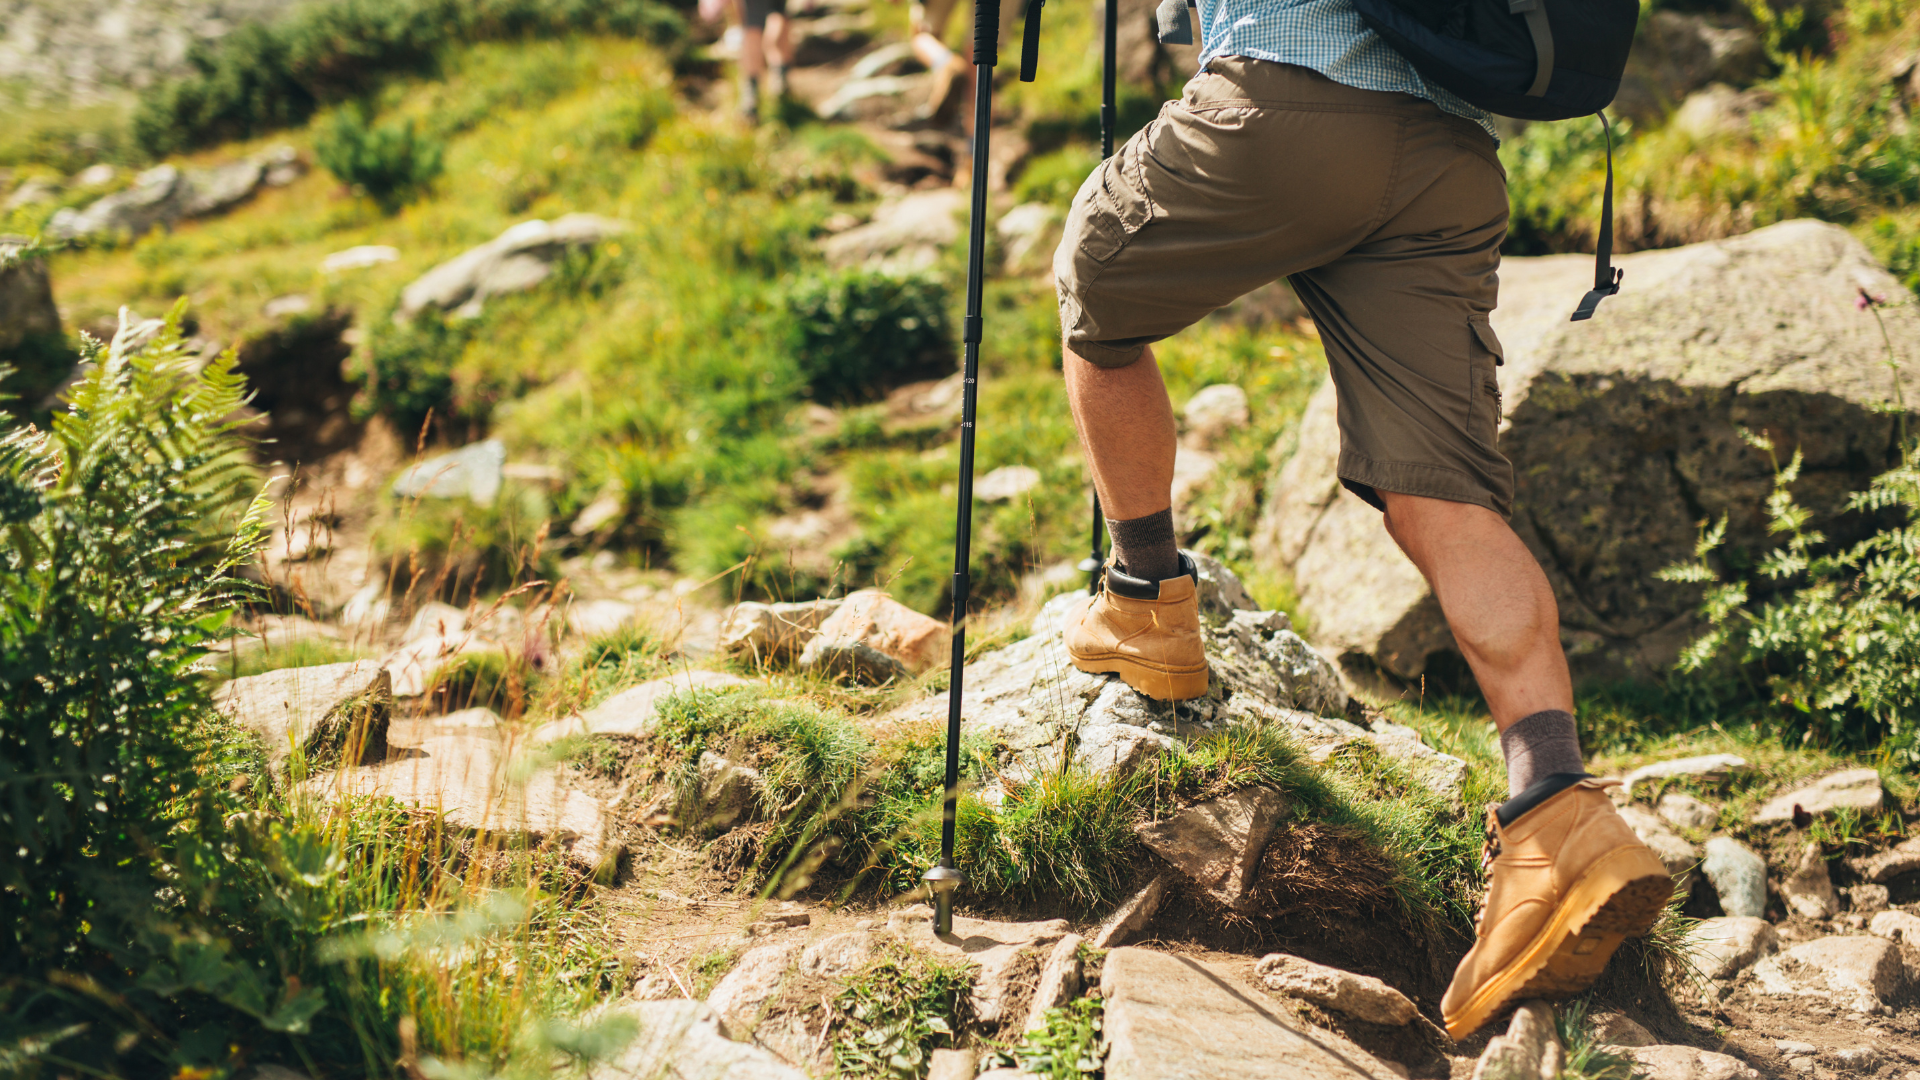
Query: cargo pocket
{"type": "Point", "coordinates": [1483, 394]}
{"type": "Point", "coordinates": [1116, 201]}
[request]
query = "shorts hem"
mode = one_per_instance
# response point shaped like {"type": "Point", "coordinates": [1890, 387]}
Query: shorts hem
{"type": "Point", "coordinates": [1365, 477]}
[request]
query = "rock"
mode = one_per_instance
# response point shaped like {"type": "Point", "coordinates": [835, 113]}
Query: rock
{"type": "Point", "coordinates": [894, 59]}
{"type": "Point", "coordinates": [1530, 1049]}
{"type": "Point", "coordinates": [473, 781]}
{"type": "Point", "coordinates": [1738, 875]}
{"type": "Point", "coordinates": [1619, 1029]}
{"type": "Point", "coordinates": [515, 261]}
{"type": "Point", "coordinates": [1902, 858]}
{"type": "Point", "coordinates": [838, 955]}
{"type": "Point", "coordinates": [1900, 926]}
{"type": "Point", "coordinates": [27, 311]}
{"type": "Point", "coordinates": [1132, 916]}
{"type": "Point", "coordinates": [359, 258]}
{"type": "Point", "coordinates": [154, 199]}
{"type": "Point", "coordinates": [995, 948]}
{"type": "Point", "coordinates": [1217, 844]}
{"type": "Point", "coordinates": [1006, 483]}
{"type": "Point", "coordinates": [1719, 109]}
{"type": "Point", "coordinates": [438, 634]}
{"type": "Point", "coordinates": [221, 188]}
{"type": "Point", "coordinates": [1116, 749]}
{"type": "Point", "coordinates": [742, 994]}
{"type": "Point", "coordinates": [1724, 947]}
{"type": "Point", "coordinates": [728, 792]}
{"type": "Point", "coordinates": [1027, 697]}
{"type": "Point", "coordinates": [871, 622]}
{"type": "Point", "coordinates": [1060, 980]}
{"type": "Point", "coordinates": [1708, 768]}
{"type": "Point", "coordinates": [630, 714]}
{"type": "Point", "coordinates": [952, 1065]}
{"type": "Point", "coordinates": [1361, 997]}
{"type": "Point", "coordinates": [1808, 890]}
{"type": "Point", "coordinates": [1214, 412]}
{"type": "Point", "coordinates": [319, 710]}
{"type": "Point", "coordinates": [1868, 898]}
{"type": "Point", "coordinates": [769, 632]}
{"type": "Point", "coordinates": [1686, 812]}
{"type": "Point", "coordinates": [1853, 789]}
{"type": "Point", "coordinates": [684, 1040]}
{"type": "Point", "coordinates": [1442, 774]}
{"type": "Point", "coordinates": [1024, 232]}
{"type": "Point", "coordinates": [1192, 469]}
{"type": "Point", "coordinates": [1143, 60]}
{"type": "Point", "coordinates": [904, 236]}
{"type": "Point", "coordinates": [597, 618]}
{"type": "Point", "coordinates": [1859, 973]}
{"type": "Point", "coordinates": [413, 732]}
{"type": "Point", "coordinates": [32, 192]}
{"type": "Point", "coordinates": [284, 307]}
{"type": "Point", "coordinates": [871, 97]}
{"type": "Point", "coordinates": [1678, 856]}
{"type": "Point", "coordinates": [1687, 1063]}
{"type": "Point", "coordinates": [1174, 1017]}
{"type": "Point", "coordinates": [471, 472]}
{"type": "Point", "coordinates": [1624, 431]}
{"type": "Point", "coordinates": [1675, 54]}
{"type": "Point", "coordinates": [1220, 591]}
{"type": "Point", "coordinates": [1865, 1059]}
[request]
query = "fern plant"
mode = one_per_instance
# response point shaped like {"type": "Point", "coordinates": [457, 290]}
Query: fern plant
{"type": "Point", "coordinates": [121, 533]}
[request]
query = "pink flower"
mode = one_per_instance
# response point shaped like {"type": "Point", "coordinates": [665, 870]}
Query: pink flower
{"type": "Point", "coordinates": [1866, 300]}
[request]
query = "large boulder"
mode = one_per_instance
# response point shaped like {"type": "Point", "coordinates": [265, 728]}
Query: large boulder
{"type": "Point", "coordinates": [1626, 433]}
{"type": "Point", "coordinates": [515, 261]}
{"type": "Point", "coordinates": [29, 321]}
{"type": "Point", "coordinates": [166, 194]}
{"type": "Point", "coordinates": [329, 713]}
{"type": "Point", "coordinates": [905, 235]}
{"type": "Point", "coordinates": [1676, 54]}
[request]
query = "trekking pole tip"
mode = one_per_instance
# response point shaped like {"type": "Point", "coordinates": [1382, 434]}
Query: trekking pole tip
{"type": "Point", "coordinates": [943, 882]}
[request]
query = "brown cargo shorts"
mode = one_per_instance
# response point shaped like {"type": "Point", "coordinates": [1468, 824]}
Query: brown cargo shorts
{"type": "Point", "coordinates": [1384, 212]}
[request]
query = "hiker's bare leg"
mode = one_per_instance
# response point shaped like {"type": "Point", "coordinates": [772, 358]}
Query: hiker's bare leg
{"type": "Point", "coordinates": [781, 29]}
{"type": "Point", "coordinates": [1496, 599]}
{"type": "Point", "coordinates": [753, 51]}
{"type": "Point", "coordinates": [1126, 427]}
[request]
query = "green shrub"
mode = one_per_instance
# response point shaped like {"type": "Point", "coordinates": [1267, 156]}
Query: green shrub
{"type": "Point", "coordinates": [390, 163]}
{"type": "Point", "coordinates": [1053, 178]}
{"type": "Point", "coordinates": [897, 1011]}
{"type": "Point", "coordinates": [858, 333]}
{"type": "Point", "coordinates": [406, 370]}
{"type": "Point", "coordinates": [1839, 647]}
{"type": "Point", "coordinates": [263, 77]}
{"type": "Point", "coordinates": [1065, 1047]}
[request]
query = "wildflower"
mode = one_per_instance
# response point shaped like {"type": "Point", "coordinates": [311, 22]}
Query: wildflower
{"type": "Point", "coordinates": [1866, 300]}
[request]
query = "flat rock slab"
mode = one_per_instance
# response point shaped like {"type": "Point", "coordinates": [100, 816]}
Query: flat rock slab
{"type": "Point", "coordinates": [1724, 947]}
{"type": "Point", "coordinates": [1710, 767]}
{"type": "Point", "coordinates": [1687, 1063]}
{"type": "Point", "coordinates": [469, 779]}
{"type": "Point", "coordinates": [1178, 1018]}
{"type": "Point", "coordinates": [1860, 973]}
{"type": "Point", "coordinates": [1854, 789]}
{"type": "Point", "coordinates": [995, 947]}
{"type": "Point", "coordinates": [631, 712]}
{"type": "Point", "coordinates": [1362, 997]}
{"type": "Point", "coordinates": [1902, 858]}
{"type": "Point", "coordinates": [287, 708]}
{"type": "Point", "coordinates": [685, 1040]}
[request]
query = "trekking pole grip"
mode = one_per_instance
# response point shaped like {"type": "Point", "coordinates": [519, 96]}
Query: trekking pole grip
{"type": "Point", "coordinates": [986, 32]}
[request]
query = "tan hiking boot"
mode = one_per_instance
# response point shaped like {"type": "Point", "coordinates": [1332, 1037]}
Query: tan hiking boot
{"type": "Point", "coordinates": [1570, 881]}
{"type": "Point", "coordinates": [1147, 633]}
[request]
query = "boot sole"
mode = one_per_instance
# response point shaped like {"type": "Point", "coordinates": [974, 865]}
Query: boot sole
{"type": "Point", "coordinates": [1613, 901]}
{"type": "Point", "coordinates": [1158, 683]}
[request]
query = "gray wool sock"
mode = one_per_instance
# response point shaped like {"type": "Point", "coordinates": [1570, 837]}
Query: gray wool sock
{"type": "Point", "coordinates": [1145, 547]}
{"type": "Point", "coordinates": [1540, 745]}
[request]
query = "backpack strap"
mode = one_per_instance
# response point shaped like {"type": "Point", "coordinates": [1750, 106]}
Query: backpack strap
{"type": "Point", "coordinates": [1536, 15]}
{"type": "Point", "coordinates": [1606, 279]}
{"type": "Point", "coordinates": [1030, 43]}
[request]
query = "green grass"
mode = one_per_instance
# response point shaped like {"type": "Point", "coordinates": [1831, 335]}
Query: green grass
{"type": "Point", "coordinates": [1065, 1047]}
{"type": "Point", "coordinates": [896, 1011]}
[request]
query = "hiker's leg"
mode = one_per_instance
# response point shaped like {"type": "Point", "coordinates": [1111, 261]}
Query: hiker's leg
{"type": "Point", "coordinates": [1496, 599]}
{"type": "Point", "coordinates": [1126, 428]}
{"type": "Point", "coordinates": [781, 29]}
{"type": "Point", "coordinates": [753, 51]}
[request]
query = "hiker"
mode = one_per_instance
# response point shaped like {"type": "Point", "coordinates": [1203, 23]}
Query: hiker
{"type": "Point", "coordinates": [756, 16]}
{"type": "Point", "coordinates": [1308, 148]}
{"type": "Point", "coordinates": [952, 72]}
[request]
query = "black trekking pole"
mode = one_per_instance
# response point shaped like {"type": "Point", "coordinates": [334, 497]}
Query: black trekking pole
{"type": "Point", "coordinates": [1109, 31]}
{"type": "Point", "coordinates": [945, 879]}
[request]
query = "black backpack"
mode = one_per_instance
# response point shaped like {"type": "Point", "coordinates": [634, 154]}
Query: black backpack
{"type": "Point", "coordinates": [1528, 59]}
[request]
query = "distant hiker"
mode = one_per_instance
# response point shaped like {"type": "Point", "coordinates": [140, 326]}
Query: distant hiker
{"type": "Point", "coordinates": [952, 72]}
{"type": "Point", "coordinates": [1307, 148]}
{"type": "Point", "coordinates": [756, 16]}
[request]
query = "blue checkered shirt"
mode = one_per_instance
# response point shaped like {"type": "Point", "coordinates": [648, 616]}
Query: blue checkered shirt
{"type": "Point", "coordinates": [1325, 35]}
